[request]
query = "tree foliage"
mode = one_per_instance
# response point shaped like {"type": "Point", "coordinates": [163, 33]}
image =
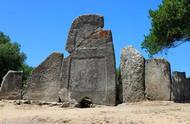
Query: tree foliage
{"type": "Point", "coordinates": [10, 56]}
{"type": "Point", "coordinates": [170, 26]}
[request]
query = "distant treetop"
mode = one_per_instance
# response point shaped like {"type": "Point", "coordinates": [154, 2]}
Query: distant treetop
{"type": "Point", "coordinates": [170, 26]}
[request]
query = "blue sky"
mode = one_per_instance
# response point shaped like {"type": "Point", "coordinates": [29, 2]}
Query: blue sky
{"type": "Point", "coordinates": [41, 26]}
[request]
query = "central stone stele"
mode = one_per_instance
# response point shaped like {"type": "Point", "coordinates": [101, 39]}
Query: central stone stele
{"type": "Point", "coordinates": [89, 70]}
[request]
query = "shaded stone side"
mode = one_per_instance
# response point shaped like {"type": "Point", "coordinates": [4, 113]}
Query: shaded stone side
{"type": "Point", "coordinates": [44, 83]}
{"type": "Point", "coordinates": [157, 79]}
{"type": "Point", "coordinates": [132, 75]}
{"type": "Point", "coordinates": [180, 87]}
{"type": "Point", "coordinates": [187, 90]}
{"type": "Point", "coordinates": [92, 61]}
{"type": "Point", "coordinates": [64, 87]}
{"type": "Point", "coordinates": [11, 86]}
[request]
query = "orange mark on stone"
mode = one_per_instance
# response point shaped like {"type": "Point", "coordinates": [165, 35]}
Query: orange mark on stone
{"type": "Point", "coordinates": [103, 34]}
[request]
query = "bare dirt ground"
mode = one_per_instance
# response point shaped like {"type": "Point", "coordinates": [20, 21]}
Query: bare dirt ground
{"type": "Point", "coordinates": [135, 113]}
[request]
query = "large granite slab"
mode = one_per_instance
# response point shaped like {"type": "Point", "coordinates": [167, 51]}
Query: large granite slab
{"type": "Point", "coordinates": [11, 86]}
{"type": "Point", "coordinates": [132, 74]}
{"type": "Point", "coordinates": [89, 70]}
{"type": "Point", "coordinates": [44, 83]}
{"type": "Point", "coordinates": [157, 79]}
{"type": "Point", "coordinates": [180, 87]}
{"type": "Point", "coordinates": [92, 65]}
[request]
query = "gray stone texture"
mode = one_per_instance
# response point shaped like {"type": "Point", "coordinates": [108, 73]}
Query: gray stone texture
{"type": "Point", "coordinates": [11, 86]}
{"type": "Point", "coordinates": [132, 75]}
{"type": "Point", "coordinates": [82, 28]}
{"type": "Point", "coordinates": [44, 83]}
{"type": "Point", "coordinates": [187, 90]}
{"type": "Point", "coordinates": [92, 61]}
{"type": "Point", "coordinates": [89, 70]}
{"type": "Point", "coordinates": [180, 87]}
{"type": "Point", "coordinates": [157, 79]}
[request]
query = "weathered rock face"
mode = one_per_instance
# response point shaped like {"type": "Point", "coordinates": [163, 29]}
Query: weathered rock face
{"type": "Point", "coordinates": [178, 83]}
{"type": "Point", "coordinates": [180, 87]}
{"type": "Point", "coordinates": [44, 83]}
{"type": "Point", "coordinates": [92, 61]}
{"type": "Point", "coordinates": [132, 75]}
{"type": "Point", "coordinates": [89, 70]}
{"type": "Point", "coordinates": [82, 29]}
{"type": "Point", "coordinates": [157, 79]}
{"type": "Point", "coordinates": [11, 85]}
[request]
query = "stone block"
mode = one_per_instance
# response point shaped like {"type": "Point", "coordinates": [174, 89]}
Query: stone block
{"type": "Point", "coordinates": [92, 61]}
{"type": "Point", "coordinates": [157, 79]}
{"type": "Point", "coordinates": [132, 75]}
{"type": "Point", "coordinates": [45, 81]}
{"type": "Point", "coordinates": [11, 86]}
{"type": "Point", "coordinates": [180, 87]}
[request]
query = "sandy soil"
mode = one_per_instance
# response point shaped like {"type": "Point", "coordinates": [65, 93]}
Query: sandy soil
{"type": "Point", "coordinates": [136, 113]}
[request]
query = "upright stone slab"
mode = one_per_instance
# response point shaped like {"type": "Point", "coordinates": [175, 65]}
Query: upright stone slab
{"type": "Point", "coordinates": [132, 75]}
{"type": "Point", "coordinates": [92, 61]}
{"type": "Point", "coordinates": [187, 90]}
{"type": "Point", "coordinates": [89, 70]}
{"type": "Point", "coordinates": [157, 79]}
{"type": "Point", "coordinates": [180, 87]}
{"type": "Point", "coordinates": [45, 81]}
{"type": "Point", "coordinates": [11, 85]}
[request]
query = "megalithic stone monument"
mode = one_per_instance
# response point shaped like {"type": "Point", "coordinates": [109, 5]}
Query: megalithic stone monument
{"type": "Point", "coordinates": [89, 70]}
{"type": "Point", "coordinates": [92, 61]}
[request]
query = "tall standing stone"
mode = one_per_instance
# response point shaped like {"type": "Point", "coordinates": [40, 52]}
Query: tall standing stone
{"type": "Point", "coordinates": [92, 61]}
{"type": "Point", "coordinates": [157, 79]}
{"type": "Point", "coordinates": [44, 83]}
{"type": "Point", "coordinates": [89, 70]}
{"type": "Point", "coordinates": [132, 75]}
{"type": "Point", "coordinates": [11, 86]}
{"type": "Point", "coordinates": [178, 86]}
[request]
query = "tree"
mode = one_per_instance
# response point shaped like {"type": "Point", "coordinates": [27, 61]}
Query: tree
{"type": "Point", "coordinates": [10, 56]}
{"type": "Point", "coordinates": [170, 26]}
{"type": "Point", "coordinates": [27, 70]}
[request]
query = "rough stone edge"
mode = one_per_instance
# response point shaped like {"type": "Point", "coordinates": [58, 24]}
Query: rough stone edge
{"type": "Point", "coordinates": [10, 71]}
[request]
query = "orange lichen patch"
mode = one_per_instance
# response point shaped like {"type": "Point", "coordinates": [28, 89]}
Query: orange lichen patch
{"type": "Point", "coordinates": [75, 25]}
{"type": "Point", "coordinates": [103, 34]}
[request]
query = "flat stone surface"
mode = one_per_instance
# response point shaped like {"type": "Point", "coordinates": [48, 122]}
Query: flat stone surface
{"type": "Point", "coordinates": [157, 79]}
{"type": "Point", "coordinates": [132, 75]}
{"type": "Point", "coordinates": [88, 79]}
{"type": "Point", "coordinates": [44, 83]}
{"type": "Point", "coordinates": [11, 85]}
